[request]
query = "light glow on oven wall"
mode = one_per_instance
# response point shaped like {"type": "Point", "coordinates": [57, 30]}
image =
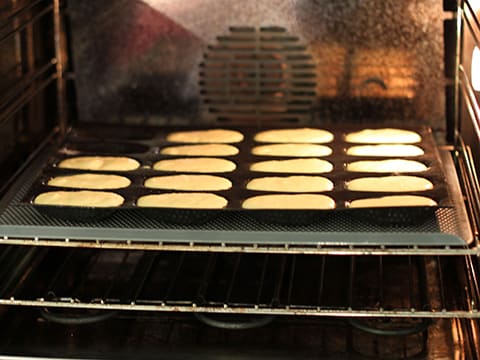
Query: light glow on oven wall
{"type": "Point", "coordinates": [474, 5]}
{"type": "Point", "coordinates": [475, 72]}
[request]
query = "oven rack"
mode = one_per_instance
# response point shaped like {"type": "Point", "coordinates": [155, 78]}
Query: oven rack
{"type": "Point", "coordinates": [20, 225]}
{"type": "Point", "coordinates": [239, 283]}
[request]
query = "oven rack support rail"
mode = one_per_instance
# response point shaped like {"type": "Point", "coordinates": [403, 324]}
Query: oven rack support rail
{"type": "Point", "coordinates": [237, 248]}
{"type": "Point", "coordinates": [193, 308]}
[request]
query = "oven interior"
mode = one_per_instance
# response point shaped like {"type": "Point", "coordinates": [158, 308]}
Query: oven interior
{"type": "Point", "coordinates": [129, 66]}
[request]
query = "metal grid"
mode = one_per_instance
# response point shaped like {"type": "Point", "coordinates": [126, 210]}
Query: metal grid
{"type": "Point", "coordinates": [345, 286]}
{"type": "Point", "coordinates": [258, 74]}
{"type": "Point", "coordinates": [337, 233]}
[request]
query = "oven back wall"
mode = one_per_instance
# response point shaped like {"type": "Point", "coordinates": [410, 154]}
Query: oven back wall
{"type": "Point", "coordinates": [138, 61]}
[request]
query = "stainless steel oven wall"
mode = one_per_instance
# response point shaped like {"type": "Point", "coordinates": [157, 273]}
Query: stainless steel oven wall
{"type": "Point", "coordinates": [469, 77]}
{"type": "Point", "coordinates": [138, 61]}
{"type": "Point", "coordinates": [27, 79]}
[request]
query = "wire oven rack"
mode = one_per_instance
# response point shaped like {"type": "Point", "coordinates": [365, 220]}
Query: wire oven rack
{"type": "Point", "coordinates": [256, 284]}
{"type": "Point", "coordinates": [449, 234]}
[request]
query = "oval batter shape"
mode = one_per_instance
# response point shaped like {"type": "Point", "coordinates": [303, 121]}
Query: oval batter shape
{"type": "Point", "coordinates": [388, 150]}
{"type": "Point", "coordinates": [183, 201]}
{"type": "Point", "coordinates": [394, 183]}
{"type": "Point", "coordinates": [386, 166]}
{"type": "Point", "coordinates": [299, 166]}
{"type": "Point", "coordinates": [189, 182]}
{"type": "Point", "coordinates": [84, 198]}
{"type": "Point", "coordinates": [219, 136]}
{"type": "Point", "coordinates": [90, 181]}
{"type": "Point", "coordinates": [393, 201]}
{"type": "Point", "coordinates": [201, 150]}
{"type": "Point", "coordinates": [291, 184]}
{"type": "Point", "coordinates": [383, 136]}
{"type": "Point", "coordinates": [292, 150]}
{"type": "Point", "coordinates": [301, 135]}
{"type": "Point", "coordinates": [100, 163]}
{"type": "Point", "coordinates": [290, 201]}
{"type": "Point", "coordinates": [196, 165]}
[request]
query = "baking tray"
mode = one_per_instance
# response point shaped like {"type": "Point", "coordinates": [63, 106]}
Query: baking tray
{"type": "Point", "coordinates": [147, 151]}
{"type": "Point", "coordinates": [449, 226]}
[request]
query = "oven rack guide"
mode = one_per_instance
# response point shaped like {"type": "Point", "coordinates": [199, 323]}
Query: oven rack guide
{"type": "Point", "coordinates": [225, 309]}
{"type": "Point", "coordinates": [318, 249]}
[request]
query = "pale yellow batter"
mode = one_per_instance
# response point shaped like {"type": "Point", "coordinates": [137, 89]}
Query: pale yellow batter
{"type": "Point", "coordinates": [300, 166]}
{"type": "Point", "coordinates": [397, 183]}
{"type": "Point", "coordinates": [90, 181]}
{"type": "Point", "coordinates": [293, 150]}
{"type": "Point", "coordinates": [201, 150]}
{"type": "Point", "coordinates": [393, 201]}
{"type": "Point", "coordinates": [290, 201]}
{"type": "Point", "coordinates": [82, 198]}
{"type": "Point", "coordinates": [197, 165]}
{"type": "Point", "coordinates": [390, 150]}
{"type": "Point", "coordinates": [189, 182]}
{"type": "Point", "coordinates": [386, 166]}
{"type": "Point", "coordinates": [183, 200]}
{"type": "Point", "coordinates": [220, 136]}
{"type": "Point", "coordinates": [383, 136]}
{"type": "Point", "coordinates": [100, 163]}
{"type": "Point", "coordinates": [301, 135]}
{"type": "Point", "coordinates": [291, 184]}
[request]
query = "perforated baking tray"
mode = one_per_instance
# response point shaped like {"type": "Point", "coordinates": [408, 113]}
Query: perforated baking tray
{"type": "Point", "coordinates": [147, 152]}
{"type": "Point", "coordinates": [448, 227]}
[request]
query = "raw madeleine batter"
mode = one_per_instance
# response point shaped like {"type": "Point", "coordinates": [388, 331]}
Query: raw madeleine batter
{"type": "Point", "coordinates": [183, 200]}
{"type": "Point", "coordinates": [383, 136]}
{"type": "Point", "coordinates": [300, 166]}
{"type": "Point", "coordinates": [396, 183]}
{"type": "Point", "coordinates": [197, 165]}
{"type": "Point", "coordinates": [189, 182]}
{"type": "Point", "coordinates": [393, 201]}
{"type": "Point", "coordinates": [386, 166]}
{"type": "Point", "coordinates": [220, 136]}
{"type": "Point", "coordinates": [82, 198]}
{"type": "Point", "coordinates": [201, 150]}
{"type": "Point", "coordinates": [290, 201]}
{"type": "Point", "coordinates": [390, 150]}
{"type": "Point", "coordinates": [292, 150]}
{"type": "Point", "coordinates": [100, 163]}
{"type": "Point", "coordinates": [302, 135]}
{"type": "Point", "coordinates": [295, 184]}
{"type": "Point", "coordinates": [90, 181]}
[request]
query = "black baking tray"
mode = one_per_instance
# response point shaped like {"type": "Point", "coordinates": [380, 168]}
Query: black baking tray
{"type": "Point", "coordinates": [145, 146]}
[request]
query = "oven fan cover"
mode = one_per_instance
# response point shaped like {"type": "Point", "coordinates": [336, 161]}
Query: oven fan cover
{"type": "Point", "coordinates": [256, 75]}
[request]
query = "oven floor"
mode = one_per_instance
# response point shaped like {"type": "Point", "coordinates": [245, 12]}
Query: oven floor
{"type": "Point", "coordinates": [153, 336]}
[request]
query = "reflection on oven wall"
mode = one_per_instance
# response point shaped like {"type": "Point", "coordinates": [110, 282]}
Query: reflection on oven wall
{"type": "Point", "coordinates": [469, 80]}
{"type": "Point", "coordinates": [27, 90]}
{"type": "Point", "coordinates": [137, 61]}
